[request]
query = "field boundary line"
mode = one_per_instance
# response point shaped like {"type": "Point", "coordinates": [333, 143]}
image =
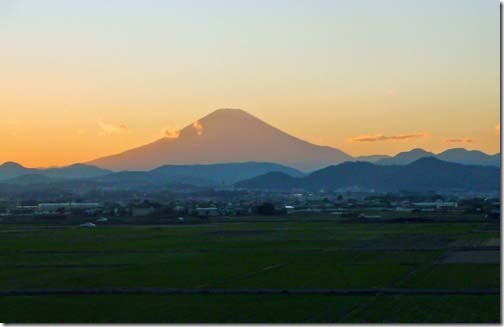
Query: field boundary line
{"type": "Point", "coordinates": [245, 291]}
{"type": "Point", "coordinates": [164, 251]}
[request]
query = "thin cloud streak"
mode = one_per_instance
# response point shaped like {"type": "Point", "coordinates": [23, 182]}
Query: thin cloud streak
{"type": "Point", "coordinates": [381, 137]}
{"type": "Point", "coordinates": [459, 140]}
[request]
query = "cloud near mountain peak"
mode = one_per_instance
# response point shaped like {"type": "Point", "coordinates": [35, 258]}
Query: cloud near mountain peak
{"type": "Point", "coordinates": [110, 128]}
{"type": "Point", "coordinates": [171, 134]}
{"type": "Point", "coordinates": [198, 127]}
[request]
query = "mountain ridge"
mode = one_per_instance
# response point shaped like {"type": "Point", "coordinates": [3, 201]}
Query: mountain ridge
{"type": "Point", "coordinates": [455, 155]}
{"type": "Point", "coordinates": [198, 175]}
{"type": "Point", "coordinates": [205, 174]}
{"type": "Point", "coordinates": [424, 174]}
{"type": "Point", "coordinates": [10, 170]}
{"type": "Point", "coordinates": [234, 135]}
{"type": "Point", "coordinates": [223, 136]}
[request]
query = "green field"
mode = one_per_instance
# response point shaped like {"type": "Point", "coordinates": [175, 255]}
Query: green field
{"type": "Point", "coordinates": [279, 254]}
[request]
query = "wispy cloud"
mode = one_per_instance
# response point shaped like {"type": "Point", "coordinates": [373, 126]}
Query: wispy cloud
{"type": "Point", "coordinates": [110, 128]}
{"type": "Point", "coordinates": [171, 134]}
{"type": "Point", "coordinates": [459, 140]}
{"type": "Point", "coordinates": [381, 137]}
{"type": "Point", "coordinates": [198, 127]}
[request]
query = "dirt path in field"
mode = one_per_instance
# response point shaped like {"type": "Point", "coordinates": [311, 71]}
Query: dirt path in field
{"type": "Point", "coordinates": [422, 267]}
{"type": "Point", "coordinates": [247, 291]}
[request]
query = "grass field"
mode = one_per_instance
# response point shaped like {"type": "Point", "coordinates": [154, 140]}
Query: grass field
{"type": "Point", "coordinates": [277, 255]}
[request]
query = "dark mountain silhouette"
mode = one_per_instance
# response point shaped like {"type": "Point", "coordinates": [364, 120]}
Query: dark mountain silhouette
{"type": "Point", "coordinates": [469, 157]}
{"type": "Point", "coordinates": [200, 175]}
{"type": "Point", "coordinates": [196, 175]}
{"type": "Point", "coordinates": [10, 170]}
{"type": "Point", "coordinates": [425, 174]}
{"type": "Point", "coordinates": [141, 179]}
{"type": "Point", "coordinates": [75, 171]}
{"type": "Point", "coordinates": [456, 155]}
{"type": "Point", "coordinates": [272, 181]}
{"type": "Point", "coordinates": [29, 179]}
{"type": "Point", "coordinates": [226, 135]}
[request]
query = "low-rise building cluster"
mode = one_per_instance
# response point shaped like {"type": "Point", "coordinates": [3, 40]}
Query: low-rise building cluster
{"type": "Point", "coordinates": [347, 203]}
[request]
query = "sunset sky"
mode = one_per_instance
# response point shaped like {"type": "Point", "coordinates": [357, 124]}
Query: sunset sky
{"type": "Point", "coordinates": [84, 79]}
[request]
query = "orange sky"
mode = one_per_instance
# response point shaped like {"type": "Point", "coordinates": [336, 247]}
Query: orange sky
{"type": "Point", "coordinates": [80, 81]}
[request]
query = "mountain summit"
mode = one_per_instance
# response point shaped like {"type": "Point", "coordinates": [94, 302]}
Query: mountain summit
{"type": "Point", "coordinates": [225, 135]}
{"type": "Point", "coordinates": [456, 155]}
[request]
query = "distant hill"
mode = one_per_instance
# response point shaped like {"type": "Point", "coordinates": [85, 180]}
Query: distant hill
{"type": "Point", "coordinates": [456, 155]}
{"type": "Point", "coordinates": [196, 175]}
{"type": "Point", "coordinates": [404, 158]}
{"type": "Point", "coordinates": [371, 158]}
{"type": "Point", "coordinates": [225, 135]}
{"type": "Point", "coordinates": [228, 173]}
{"type": "Point", "coordinates": [200, 175]}
{"type": "Point", "coordinates": [75, 171]}
{"type": "Point", "coordinates": [29, 179]}
{"type": "Point", "coordinates": [10, 170]}
{"type": "Point", "coordinates": [469, 157]}
{"type": "Point", "coordinates": [272, 181]}
{"type": "Point", "coordinates": [425, 174]}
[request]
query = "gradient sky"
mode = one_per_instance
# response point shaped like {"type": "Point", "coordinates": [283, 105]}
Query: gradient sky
{"type": "Point", "coordinates": [83, 79]}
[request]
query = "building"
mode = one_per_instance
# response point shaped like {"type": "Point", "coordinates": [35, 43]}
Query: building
{"type": "Point", "coordinates": [207, 212]}
{"type": "Point", "coordinates": [289, 209]}
{"type": "Point", "coordinates": [435, 205]}
{"type": "Point", "coordinates": [142, 211]}
{"type": "Point", "coordinates": [88, 225]}
{"type": "Point", "coordinates": [66, 206]}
